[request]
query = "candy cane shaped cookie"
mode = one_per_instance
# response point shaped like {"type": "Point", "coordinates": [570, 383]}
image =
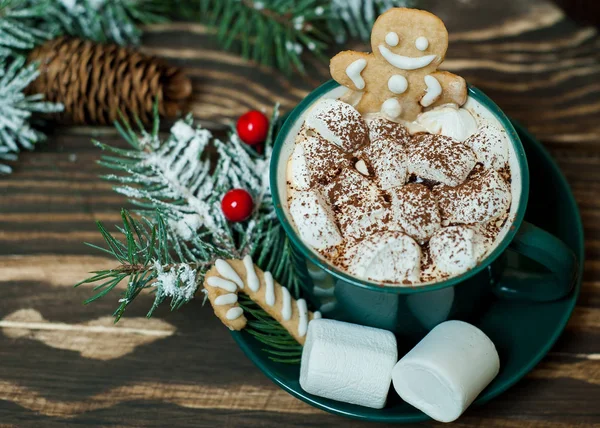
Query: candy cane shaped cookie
{"type": "Point", "coordinates": [228, 277]}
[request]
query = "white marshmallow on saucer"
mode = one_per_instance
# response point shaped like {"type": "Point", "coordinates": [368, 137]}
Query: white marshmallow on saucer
{"type": "Point", "coordinates": [314, 220]}
{"type": "Point", "coordinates": [449, 120]}
{"type": "Point", "coordinates": [440, 158]}
{"type": "Point", "coordinates": [456, 249]}
{"type": "Point", "coordinates": [386, 256]}
{"type": "Point", "coordinates": [339, 123]}
{"type": "Point", "coordinates": [490, 145]}
{"type": "Point", "coordinates": [484, 197]}
{"type": "Point", "coordinates": [348, 362]}
{"type": "Point", "coordinates": [447, 370]}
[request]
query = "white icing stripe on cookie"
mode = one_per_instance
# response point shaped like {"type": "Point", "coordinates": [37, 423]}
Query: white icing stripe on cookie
{"type": "Point", "coordinates": [397, 84]}
{"type": "Point", "coordinates": [251, 278]}
{"type": "Point", "coordinates": [228, 272]}
{"type": "Point", "coordinates": [216, 281]}
{"type": "Point", "coordinates": [421, 43]}
{"type": "Point", "coordinates": [353, 72]}
{"type": "Point", "coordinates": [434, 90]}
{"type": "Point", "coordinates": [303, 317]}
{"type": "Point", "coordinates": [286, 305]}
{"type": "Point", "coordinates": [234, 313]}
{"type": "Point", "coordinates": [269, 289]}
{"type": "Point", "coordinates": [406, 62]}
{"type": "Point", "coordinates": [226, 299]}
{"type": "Point", "coordinates": [317, 315]}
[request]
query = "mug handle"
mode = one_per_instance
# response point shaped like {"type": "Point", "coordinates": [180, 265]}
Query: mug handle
{"type": "Point", "coordinates": [550, 252]}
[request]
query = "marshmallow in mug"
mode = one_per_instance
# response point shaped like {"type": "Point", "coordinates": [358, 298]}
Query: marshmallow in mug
{"type": "Point", "coordinates": [481, 198]}
{"type": "Point", "coordinates": [456, 249]}
{"type": "Point", "coordinates": [315, 220]}
{"type": "Point", "coordinates": [314, 160]}
{"type": "Point", "coordinates": [447, 370]}
{"type": "Point", "coordinates": [490, 146]}
{"type": "Point", "coordinates": [488, 142]}
{"type": "Point", "coordinates": [386, 154]}
{"type": "Point", "coordinates": [359, 204]}
{"type": "Point", "coordinates": [449, 120]}
{"type": "Point", "coordinates": [386, 256]}
{"type": "Point", "coordinates": [339, 123]}
{"type": "Point", "coordinates": [440, 158]}
{"type": "Point", "coordinates": [416, 211]}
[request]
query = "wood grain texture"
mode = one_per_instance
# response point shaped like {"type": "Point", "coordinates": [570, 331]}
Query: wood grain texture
{"type": "Point", "coordinates": [57, 366]}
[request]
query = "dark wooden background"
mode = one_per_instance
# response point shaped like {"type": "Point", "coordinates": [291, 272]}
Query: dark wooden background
{"type": "Point", "coordinates": [65, 364]}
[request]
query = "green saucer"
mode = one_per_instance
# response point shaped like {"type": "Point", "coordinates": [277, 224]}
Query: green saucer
{"type": "Point", "coordinates": [522, 332]}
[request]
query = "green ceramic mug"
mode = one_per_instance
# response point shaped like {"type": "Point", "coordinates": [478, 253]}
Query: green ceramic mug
{"type": "Point", "coordinates": [526, 263]}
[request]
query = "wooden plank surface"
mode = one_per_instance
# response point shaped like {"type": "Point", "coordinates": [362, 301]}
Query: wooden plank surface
{"type": "Point", "coordinates": [65, 364]}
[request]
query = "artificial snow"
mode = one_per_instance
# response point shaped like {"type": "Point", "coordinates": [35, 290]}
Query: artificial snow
{"type": "Point", "coordinates": [179, 282]}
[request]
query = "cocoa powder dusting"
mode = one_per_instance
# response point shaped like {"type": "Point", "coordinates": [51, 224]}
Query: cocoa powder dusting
{"type": "Point", "coordinates": [400, 192]}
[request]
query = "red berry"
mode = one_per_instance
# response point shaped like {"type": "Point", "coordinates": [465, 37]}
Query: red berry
{"type": "Point", "coordinates": [253, 127]}
{"type": "Point", "coordinates": [237, 205]}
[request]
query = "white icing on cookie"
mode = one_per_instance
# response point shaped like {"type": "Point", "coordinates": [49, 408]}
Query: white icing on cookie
{"type": "Point", "coordinates": [269, 289]}
{"type": "Point", "coordinates": [397, 84]}
{"type": "Point", "coordinates": [391, 108]}
{"type": "Point", "coordinates": [251, 278]}
{"type": "Point", "coordinates": [302, 317]}
{"type": "Point", "coordinates": [286, 304]}
{"type": "Point", "coordinates": [434, 90]}
{"type": "Point", "coordinates": [228, 272]}
{"type": "Point", "coordinates": [234, 313]}
{"type": "Point", "coordinates": [226, 299]}
{"type": "Point", "coordinates": [421, 43]}
{"type": "Point", "coordinates": [216, 281]}
{"type": "Point", "coordinates": [406, 62]}
{"type": "Point", "coordinates": [353, 72]}
{"type": "Point", "coordinates": [392, 39]}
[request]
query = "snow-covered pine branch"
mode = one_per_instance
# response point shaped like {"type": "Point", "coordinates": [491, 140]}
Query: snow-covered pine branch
{"type": "Point", "coordinates": [16, 108]}
{"type": "Point", "coordinates": [178, 183]}
{"type": "Point", "coordinates": [114, 21]}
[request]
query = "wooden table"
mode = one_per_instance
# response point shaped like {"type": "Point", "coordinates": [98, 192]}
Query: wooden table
{"type": "Point", "coordinates": [63, 363]}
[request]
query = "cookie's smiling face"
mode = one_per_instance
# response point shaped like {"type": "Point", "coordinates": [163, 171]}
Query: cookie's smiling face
{"type": "Point", "coordinates": [409, 39]}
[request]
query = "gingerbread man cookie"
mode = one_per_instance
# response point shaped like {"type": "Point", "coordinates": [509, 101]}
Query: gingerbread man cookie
{"type": "Point", "coordinates": [400, 77]}
{"type": "Point", "coordinates": [228, 277]}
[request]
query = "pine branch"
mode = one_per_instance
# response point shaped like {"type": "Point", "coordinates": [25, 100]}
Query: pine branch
{"type": "Point", "coordinates": [177, 178]}
{"type": "Point", "coordinates": [273, 33]}
{"type": "Point", "coordinates": [18, 30]}
{"type": "Point", "coordinates": [146, 262]}
{"type": "Point", "coordinates": [16, 108]}
{"type": "Point", "coordinates": [114, 21]}
{"type": "Point", "coordinates": [182, 230]}
{"type": "Point", "coordinates": [355, 18]}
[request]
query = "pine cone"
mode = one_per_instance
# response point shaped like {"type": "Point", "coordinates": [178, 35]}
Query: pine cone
{"type": "Point", "coordinates": [95, 81]}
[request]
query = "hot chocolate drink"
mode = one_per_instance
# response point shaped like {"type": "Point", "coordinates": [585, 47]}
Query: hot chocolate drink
{"type": "Point", "coordinates": [396, 201]}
